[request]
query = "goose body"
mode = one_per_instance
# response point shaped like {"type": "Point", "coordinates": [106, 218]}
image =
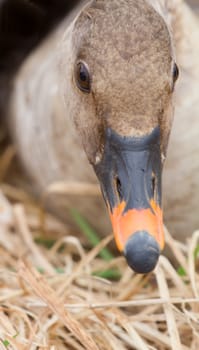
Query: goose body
{"type": "Point", "coordinates": [56, 144]}
{"type": "Point", "coordinates": [58, 152]}
{"type": "Point", "coordinates": [180, 178]}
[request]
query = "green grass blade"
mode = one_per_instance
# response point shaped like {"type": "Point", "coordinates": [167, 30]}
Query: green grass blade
{"type": "Point", "coordinates": [110, 274]}
{"type": "Point", "coordinates": [45, 242]}
{"type": "Point", "coordinates": [91, 235]}
{"type": "Point", "coordinates": [181, 271]}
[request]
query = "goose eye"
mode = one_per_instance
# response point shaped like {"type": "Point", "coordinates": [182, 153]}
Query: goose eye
{"type": "Point", "coordinates": [175, 72]}
{"type": "Point", "coordinates": [82, 76]}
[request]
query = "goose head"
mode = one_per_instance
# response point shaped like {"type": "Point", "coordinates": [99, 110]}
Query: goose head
{"type": "Point", "coordinates": [119, 83]}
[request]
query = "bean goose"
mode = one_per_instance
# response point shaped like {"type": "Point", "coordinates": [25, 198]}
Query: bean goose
{"type": "Point", "coordinates": [102, 89]}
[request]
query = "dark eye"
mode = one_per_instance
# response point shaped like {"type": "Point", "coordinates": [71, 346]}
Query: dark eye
{"type": "Point", "coordinates": [175, 72]}
{"type": "Point", "coordinates": [82, 77]}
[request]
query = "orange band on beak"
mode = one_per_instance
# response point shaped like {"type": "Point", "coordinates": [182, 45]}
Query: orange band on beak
{"type": "Point", "coordinates": [125, 224]}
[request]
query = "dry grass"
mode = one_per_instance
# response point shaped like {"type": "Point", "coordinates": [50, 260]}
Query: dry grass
{"type": "Point", "coordinates": [50, 298]}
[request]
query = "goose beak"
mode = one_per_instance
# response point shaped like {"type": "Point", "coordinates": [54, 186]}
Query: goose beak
{"type": "Point", "coordinates": [130, 179]}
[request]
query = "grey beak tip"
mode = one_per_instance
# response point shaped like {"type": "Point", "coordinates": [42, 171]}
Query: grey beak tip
{"type": "Point", "coordinates": [142, 252]}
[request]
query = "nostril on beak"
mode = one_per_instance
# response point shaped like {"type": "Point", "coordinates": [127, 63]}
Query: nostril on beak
{"type": "Point", "coordinates": [142, 252]}
{"type": "Point", "coordinates": [119, 188]}
{"type": "Point", "coordinates": [153, 185]}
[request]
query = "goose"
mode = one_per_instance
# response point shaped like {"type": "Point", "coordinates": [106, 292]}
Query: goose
{"type": "Point", "coordinates": [95, 101]}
